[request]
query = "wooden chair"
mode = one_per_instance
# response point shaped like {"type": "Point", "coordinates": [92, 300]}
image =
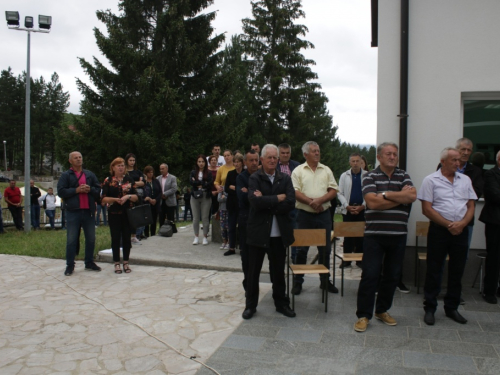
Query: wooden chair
{"type": "Point", "coordinates": [308, 237]}
{"type": "Point", "coordinates": [421, 230]}
{"type": "Point", "coordinates": [347, 229]}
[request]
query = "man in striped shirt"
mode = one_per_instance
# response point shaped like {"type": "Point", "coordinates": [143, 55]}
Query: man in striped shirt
{"type": "Point", "coordinates": [388, 192]}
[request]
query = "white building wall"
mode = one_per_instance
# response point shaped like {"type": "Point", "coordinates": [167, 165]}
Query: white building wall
{"type": "Point", "coordinates": [453, 48]}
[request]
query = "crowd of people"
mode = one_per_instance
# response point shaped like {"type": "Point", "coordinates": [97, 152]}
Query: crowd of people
{"type": "Point", "coordinates": [266, 193]}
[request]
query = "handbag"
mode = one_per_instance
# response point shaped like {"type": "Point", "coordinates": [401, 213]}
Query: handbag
{"type": "Point", "coordinates": [140, 216]}
{"type": "Point", "coordinates": [197, 194]}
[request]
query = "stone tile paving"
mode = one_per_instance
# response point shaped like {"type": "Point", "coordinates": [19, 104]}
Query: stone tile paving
{"type": "Point", "coordinates": [48, 328]}
{"type": "Point", "coordinates": [319, 343]}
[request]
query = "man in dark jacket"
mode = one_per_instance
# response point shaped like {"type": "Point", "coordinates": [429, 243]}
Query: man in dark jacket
{"type": "Point", "coordinates": [490, 216]}
{"type": "Point", "coordinates": [272, 197]}
{"type": "Point", "coordinates": [251, 159]}
{"type": "Point", "coordinates": [79, 189]}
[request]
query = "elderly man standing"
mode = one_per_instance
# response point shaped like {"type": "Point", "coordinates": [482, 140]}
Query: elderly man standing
{"type": "Point", "coordinates": [79, 189]}
{"type": "Point", "coordinates": [353, 205]}
{"type": "Point", "coordinates": [490, 216]}
{"type": "Point", "coordinates": [271, 197]}
{"type": "Point", "coordinates": [315, 187]}
{"type": "Point", "coordinates": [448, 201]}
{"type": "Point", "coordinates": [388, 193]}
{"type": "Point", "coordinates": [168, 183]}
{"type": "Point", "coordinates": [14, 200]}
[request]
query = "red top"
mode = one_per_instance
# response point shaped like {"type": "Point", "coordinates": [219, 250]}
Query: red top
{"type": "Point", "coordinates": [84, 198]}
{"type": "Point", "coordinates": [13, 195]}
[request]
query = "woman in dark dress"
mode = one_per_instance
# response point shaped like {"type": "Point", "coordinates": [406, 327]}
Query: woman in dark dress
{"type": "Point", "coordinates": [152, 195]}
{"type": "Point", "coordinates": [119, 193]}
{"type": "Point", "coordinates": [232, 202]}
{"type": "Point", "coordinates": [212, 167]}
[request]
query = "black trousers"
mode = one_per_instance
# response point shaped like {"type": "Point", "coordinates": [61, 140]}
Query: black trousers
{"type": "Point", "coordinates": [166, 212]}
{"type": "Point", "coordinates": [353, 244]}
{"type": "Point", "coordinates": [492, 264]}
{"type": "Point", "coordinates": [440, 243]}
{"type": "Point", "coordinates": [17, 216]}
{"type": "Point", "coordinates": [150, 230]}
{"type": "Point", "coordinates": [242, 233]}
{"type": "Point", "coordinates": [276, 255]}
{"type": "Point", "coordinates": [120, 234]}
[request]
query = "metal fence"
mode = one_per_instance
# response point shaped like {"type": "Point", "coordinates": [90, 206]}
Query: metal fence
{"type": "Point", "coordinates": [44, 219]}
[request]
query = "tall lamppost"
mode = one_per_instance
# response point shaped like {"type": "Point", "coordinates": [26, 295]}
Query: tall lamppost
{"type": "Point", "coordinates": [44, 23]}
{"type": "Point", "coordinates": [5, 154]}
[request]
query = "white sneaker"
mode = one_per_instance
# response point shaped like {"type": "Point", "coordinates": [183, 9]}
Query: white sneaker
{"type": "Point", "coordinates": [205, 241]}
{"type": "Point", "coordinates": [196, 241]}
{"type": "Point", "coordinates": [135, 241]}
{"type": "Point", "coordinates": [222, 246]}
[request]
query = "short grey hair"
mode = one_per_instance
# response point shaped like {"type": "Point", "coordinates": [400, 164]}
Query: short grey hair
{"type": "Point", "coordinates": [165, 164]}
{"type": "Point", "coordinates": [444, 154]}
{"type": "Point", "coordinates": [498, 154]}
{"type": "Point", "coordinates": [384, 145]}
{"type": "Point", "coordinates": [305, 146]}
{"type": "Point", "coordinates": [467, 141]}
{"type": "Point", "coordinates": [263, 153]}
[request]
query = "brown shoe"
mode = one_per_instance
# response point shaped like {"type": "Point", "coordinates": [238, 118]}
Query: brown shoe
{"type": "Point", "coordinates": [361, 324]}
{"type": "Point", "coordinates": [386, 318]}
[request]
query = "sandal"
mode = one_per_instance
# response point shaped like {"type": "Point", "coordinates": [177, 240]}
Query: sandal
{"type": "Point", "coordinates": [126, 268]}
{"type": "Point", "coordinates": [117, 268]}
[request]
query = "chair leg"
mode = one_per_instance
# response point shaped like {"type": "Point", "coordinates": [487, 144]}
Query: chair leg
{"type": "Point", "coordinates": [481, 278]}
{"type": "Point", "coordinates": [416, 259]}
{"type": "Point", "coordinates": [418, 277]}
{"type": "Point", "coordinates": [477, 274]}
{"type": "Point", "coordinates": [326, 295]}
{"type": "Point", "coordinates": [342, 284]}
{"type": "Point", "coordinates": [288, 273]}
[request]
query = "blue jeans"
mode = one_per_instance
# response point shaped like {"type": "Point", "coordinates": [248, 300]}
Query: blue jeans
{"type": "Point", "coordinates": [308, 220]}
{"type": "Point", "coordinates": [35, 215]}
{"type": "Point", "coordinates": [380, 253]}
{"type": "Point", "coordinates": [76, 219]}
{"type": "Point", "coordinates": [104, 210]}
{"type": "Point", "coordinates": [51, 214]}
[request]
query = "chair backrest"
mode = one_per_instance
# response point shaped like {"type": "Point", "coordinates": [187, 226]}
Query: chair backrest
{"type": "Point", "coordinates": [422, 228]}
{"type": "Point", "coordinates": [349, 229]}
{"type": "Point", "coordinates": [309, 237]}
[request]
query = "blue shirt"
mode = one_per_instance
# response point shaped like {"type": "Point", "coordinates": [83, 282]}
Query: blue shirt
{"type": "Point", "coordinates": [356, 193]}
{"type": "Point", "coordinates": [448, 199]}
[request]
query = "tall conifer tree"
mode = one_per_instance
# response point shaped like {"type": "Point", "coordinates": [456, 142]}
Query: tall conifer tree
{"type": "Point", "coordinates": [159, 97]}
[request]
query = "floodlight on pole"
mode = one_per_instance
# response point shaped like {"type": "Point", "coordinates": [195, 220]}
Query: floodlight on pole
{"type": "Point", "coordinates": [44, 27]}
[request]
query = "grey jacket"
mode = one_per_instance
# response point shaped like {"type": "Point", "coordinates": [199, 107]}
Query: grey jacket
{"type": "Point", "coordinates": [168, 194]}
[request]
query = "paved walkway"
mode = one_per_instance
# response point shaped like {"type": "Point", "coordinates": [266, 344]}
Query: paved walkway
{"type": "Point", "coordinates": [102, 323]}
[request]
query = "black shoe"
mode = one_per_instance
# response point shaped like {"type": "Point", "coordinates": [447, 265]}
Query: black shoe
{"type": "Point", "coordinates": [331, 288]}
{"type": "Point", "coordinates": [462, 302]}
{"type": "Point", "coordinates": [69, 270]}
{"type": "Point", "coordinates": [297, 288]}
{"type": "Point", "coordinates": [490, 299]}
{"type": "Point", "coordinates": [286, 310]}
{"type": "Point", "coordinates": [402, 288]}
{"type": "Point", "coordinates": [248, 313]}
{"type": "Point", "coordinates": [229, 252]}
{"type": "Point", "coordinates": [455, 315]}
{"type": "Point", "coordinates": [92, 267]}
{"type": "Point", "coordinates": [344, 264]}
{"type": "Point", "coordinates": [429, 318]}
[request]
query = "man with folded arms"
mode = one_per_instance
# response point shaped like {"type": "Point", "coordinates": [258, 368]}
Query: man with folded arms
{"type": "Point", "coordinates": [448, 201]}
{"type": "Point", "coordinates": [272, 197]}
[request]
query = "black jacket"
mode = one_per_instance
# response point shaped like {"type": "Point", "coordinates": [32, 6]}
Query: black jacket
{"type": "Point", "coordinates": [263, 208]}
{"type": "Point", "coordinates": [155, 194]}
{"type": "Point", "coordinates": [490, 213]}
{"type": "Point", "coordinates": [206, 183]}
{"type": "Point", "coordinates": [232, 197]}
{"type": "Point", "coordinates": [66, 189]}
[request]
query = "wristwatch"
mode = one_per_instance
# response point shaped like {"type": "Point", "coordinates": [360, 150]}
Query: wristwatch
{"type": "Point", "coordinates": [383, 194]}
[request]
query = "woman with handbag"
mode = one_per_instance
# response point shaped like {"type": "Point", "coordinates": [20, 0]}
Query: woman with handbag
{"type": "Point", "coordinates": [232, 202]}
{"type": "Point", "coordinates": [118, 191]}
{"type": "Point", "coordinates": [152, 195]}
{"type": "Point", "coordinates": [201, 180]}
{"type": "Point", "coordinates": [138, 177]}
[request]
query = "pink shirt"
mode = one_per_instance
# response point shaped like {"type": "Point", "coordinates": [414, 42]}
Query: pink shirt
{"type": "Point", "coordinates": [84, 198]}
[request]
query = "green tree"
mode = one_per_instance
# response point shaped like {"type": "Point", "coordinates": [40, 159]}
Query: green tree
{"type": "Point", "coordinates": [290, 106]}
{"type": "Point", "coordinates": [160, 98]}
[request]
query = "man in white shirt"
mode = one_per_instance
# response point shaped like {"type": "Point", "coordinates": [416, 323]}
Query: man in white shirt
{"type": "Point", "coordinates": [216, 153]}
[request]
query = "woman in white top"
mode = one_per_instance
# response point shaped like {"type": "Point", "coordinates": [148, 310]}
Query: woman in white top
{"type": "Point", "coordinates": [49, 204]}
{"type": "Point", "coordinates": [201, 180]}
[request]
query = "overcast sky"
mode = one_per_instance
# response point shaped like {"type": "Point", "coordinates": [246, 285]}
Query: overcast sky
{"type": "Point", "coordinates": [339, 29]}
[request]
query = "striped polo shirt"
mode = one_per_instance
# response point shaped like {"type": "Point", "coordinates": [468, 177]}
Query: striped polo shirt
{"type": "Point", "coordinates": [386, 222]}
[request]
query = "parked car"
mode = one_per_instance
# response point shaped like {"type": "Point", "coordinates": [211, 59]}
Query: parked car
{"type": "Point", "coordinates": [4, 178]}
